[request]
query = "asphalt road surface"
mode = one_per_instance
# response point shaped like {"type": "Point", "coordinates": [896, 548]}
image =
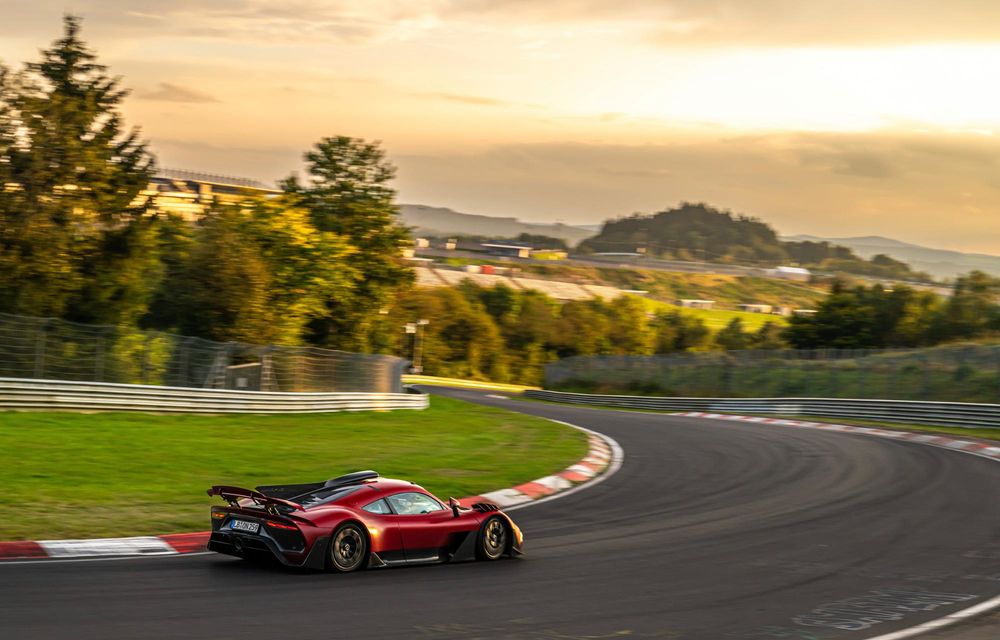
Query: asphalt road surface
{"type": "Point", "coordinates": [710, 531]}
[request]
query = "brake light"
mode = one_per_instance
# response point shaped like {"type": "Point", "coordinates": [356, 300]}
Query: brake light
{"type": "Point", "coordinates": [218, 515]}
{"type": "Point", "coordinates": [281, 525]}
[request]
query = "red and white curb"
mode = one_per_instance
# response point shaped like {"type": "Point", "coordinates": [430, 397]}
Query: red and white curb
{"type": "Point", "coordinates": [604, 457]}
{"type": "Point", "coordinates": [170, 544]}
{"type": "Point", "coordinates": [604, 453]}
{"type": "Point", "coordinates": [986, 450]}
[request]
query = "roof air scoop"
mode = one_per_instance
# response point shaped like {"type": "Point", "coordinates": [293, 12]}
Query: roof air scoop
{"type": "Point", "coordinates": [351, 478]}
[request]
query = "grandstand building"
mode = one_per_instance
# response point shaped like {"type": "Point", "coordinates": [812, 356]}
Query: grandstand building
{"type": "Point", "coordinates": [190, 194]}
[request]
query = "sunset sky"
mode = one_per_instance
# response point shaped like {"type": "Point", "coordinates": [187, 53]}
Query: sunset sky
{"type": "Point", "coordinates": [828, 117]}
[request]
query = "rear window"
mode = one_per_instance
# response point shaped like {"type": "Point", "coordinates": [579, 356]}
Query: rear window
{"type": "Point", "coordinates": [325, 496]}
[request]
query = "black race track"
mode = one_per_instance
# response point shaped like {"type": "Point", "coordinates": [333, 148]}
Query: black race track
{"type": "Point", "coordinates": [711, 530]}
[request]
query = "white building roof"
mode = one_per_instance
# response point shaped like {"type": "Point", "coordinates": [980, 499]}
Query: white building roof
{"type": "Point", "coordinates": [507, 246]}
{"type": "Point", "coordinates": [798, 270]}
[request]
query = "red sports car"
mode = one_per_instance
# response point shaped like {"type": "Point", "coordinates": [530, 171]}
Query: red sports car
{"type": "Point", "coordinates": [355, 521]}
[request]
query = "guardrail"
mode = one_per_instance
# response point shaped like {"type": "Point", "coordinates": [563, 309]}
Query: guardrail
{"type": "Point", "coordinates": [60, 395]}
{"type": "Point", "coordinates": [957, 414]}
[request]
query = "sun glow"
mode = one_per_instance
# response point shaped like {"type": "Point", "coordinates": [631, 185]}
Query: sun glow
{"type": "Point", "coordinates": [940, 86]}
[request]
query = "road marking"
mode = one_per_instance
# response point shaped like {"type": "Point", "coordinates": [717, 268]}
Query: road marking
{"type": "Point", "coordinates": [940, 623]}
{"type": "Point", "coordinates": [877, 606]}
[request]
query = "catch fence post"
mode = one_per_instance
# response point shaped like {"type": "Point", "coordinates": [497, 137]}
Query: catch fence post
{"type": "Point", "coordinates": [99, 359]}
{"type": "Point", "coordinates": [890, 377]}
{"type": "Point", "coordinates": [996, 359]}
{"type": "Point", "coordinates": [727, 376]}
{"type": "Point", "coordinates": [184, 379]}
{"type": "Point", "coordinates": [40, 349]}
{"type": "Point", "coordinates": [145, 358]}
{"type": "Point", "coordinates": [925, 370]}
{"type": "Point", "coordinates": [863, 372]}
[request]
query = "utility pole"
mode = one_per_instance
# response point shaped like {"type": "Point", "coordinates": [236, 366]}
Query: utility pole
{"type": "Point", "coordinates": [415, 329]}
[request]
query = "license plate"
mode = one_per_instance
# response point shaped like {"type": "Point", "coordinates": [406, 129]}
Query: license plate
{"type": "Point", "coordinates": [243, 525]}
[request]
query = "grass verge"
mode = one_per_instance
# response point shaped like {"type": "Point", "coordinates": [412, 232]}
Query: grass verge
{"type": "Point", "coordinates": [70, 475]}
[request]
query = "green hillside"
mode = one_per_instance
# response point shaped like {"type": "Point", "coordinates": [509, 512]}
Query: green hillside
{"type": "Point", "coordinates": [700, 232]}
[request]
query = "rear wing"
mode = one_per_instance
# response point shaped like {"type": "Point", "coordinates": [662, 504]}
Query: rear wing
{"type": "Point", "coordinates": [233, 495]}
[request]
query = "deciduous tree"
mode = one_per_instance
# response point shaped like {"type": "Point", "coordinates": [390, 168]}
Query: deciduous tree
{"type": "Point", "coordinates": [347, 192]}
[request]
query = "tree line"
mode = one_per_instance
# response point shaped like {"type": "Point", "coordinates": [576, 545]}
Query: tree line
{"type": "Point", "coordinates": [319, 263]}
{"type": "Point", "coordinates": [509, 335]}
{"type": "Point", "coordinates": [79, 241]}
{"type": "Point", "coordinates": [881, 317]}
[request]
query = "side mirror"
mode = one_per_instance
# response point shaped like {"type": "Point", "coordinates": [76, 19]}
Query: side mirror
{"type": "Point", "coordinates": [453, 503]}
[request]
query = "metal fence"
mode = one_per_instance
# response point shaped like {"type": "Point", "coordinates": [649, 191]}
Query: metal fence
{"type": "Point", "coordinates": [45, 348]}
{"type": "Point", "coordinates": [956, 373]}
{"type": "Point", "coordinates": [958, 414]}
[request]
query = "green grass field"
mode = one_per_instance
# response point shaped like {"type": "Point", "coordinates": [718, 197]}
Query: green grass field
{"type": "Point", "coordinates": [716, 319]}
{"type": "Point", "coordinates": [668, 286]}
{"type": "Point", "coordinates": [69, 475]}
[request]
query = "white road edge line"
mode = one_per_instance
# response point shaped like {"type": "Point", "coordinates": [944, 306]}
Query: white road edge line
{"type": "Point", "coordinates": [940, 623]}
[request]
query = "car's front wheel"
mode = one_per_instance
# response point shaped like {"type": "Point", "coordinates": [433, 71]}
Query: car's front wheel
{"type": "Point", "coordinates": [493, 539]}
{"type": "Point", "coordinates": [348, 548]}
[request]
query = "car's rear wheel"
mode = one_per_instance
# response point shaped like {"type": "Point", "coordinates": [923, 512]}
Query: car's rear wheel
{"type": "Point", "coordinates": [493, 537]}
{"type": "Point", "coordinates": [348, 548]}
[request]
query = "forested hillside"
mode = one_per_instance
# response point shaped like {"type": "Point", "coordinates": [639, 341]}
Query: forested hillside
{"type": "Point", "coordinates": [702, 233]}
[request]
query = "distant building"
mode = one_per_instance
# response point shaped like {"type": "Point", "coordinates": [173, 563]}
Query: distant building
{"type": "Point", "coordinates": [421, 243]}
{"type": "Point", "coordinates": [755, 308]}
{"type": "Point", "coordinates": [619, 254]}
{"type": "Point", "coordinates": [191, 195]}
{"type": "Point", "coordinates": [549, 254]}
{"type": "Point", "coordinates": [804, 312]}
{"type": "Point", "coordinates": [508, 250]}
{"type": "Point", "coordinates": [695, 304]}
{"type": "Point", "coordinates": [790, 273]}
{"type": "Point", "coordinates": [450, 244]}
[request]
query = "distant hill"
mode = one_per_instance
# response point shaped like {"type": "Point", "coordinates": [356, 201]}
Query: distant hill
{"type": "Point", "coordinates": [440, 221]}
{"type": "Point", "coordinates": [940, 263]}
{"type": "Point", "coordinates": [697, 231]}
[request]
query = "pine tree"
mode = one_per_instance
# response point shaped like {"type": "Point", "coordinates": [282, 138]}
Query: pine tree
{"type": "Point", "coordinates": [72, 241]}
